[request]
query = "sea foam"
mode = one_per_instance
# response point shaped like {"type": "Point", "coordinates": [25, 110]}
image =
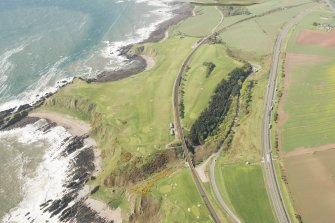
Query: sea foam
{"type": "Point", "coordinates": [47, 182]}
{"type": "Point", "coordinates": [112, 48]}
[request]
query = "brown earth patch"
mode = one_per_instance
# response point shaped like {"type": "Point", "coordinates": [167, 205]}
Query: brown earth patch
{"type": "Point", "coordinates": [304, 151]}
{"type": "Point", "coordinates": [309, 37]}
{"type": "Point", "coordinates": [311, 181]}
{"type": "Point", "coordinates": [292, 61]}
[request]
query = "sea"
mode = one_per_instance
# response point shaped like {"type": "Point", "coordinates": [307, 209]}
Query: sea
{"type": "Point", "coordinates": [41, 43]}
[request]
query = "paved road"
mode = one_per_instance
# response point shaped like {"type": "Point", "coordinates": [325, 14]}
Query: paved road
{"type": "Point", "coordinates": [270, 174]}
{"type": "Point", "coordinates": [179, 131]}
{"type": "Point", "coordinates": [213, 164]}
{"type": "Point", "coordinates": [217, 192]}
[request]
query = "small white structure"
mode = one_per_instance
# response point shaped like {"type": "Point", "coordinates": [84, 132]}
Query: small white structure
{"type": "Point", "coordinates": [171, 125]}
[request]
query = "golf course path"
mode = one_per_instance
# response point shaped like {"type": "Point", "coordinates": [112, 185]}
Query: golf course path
{"type": "Point", "coordinates": [270, 173]}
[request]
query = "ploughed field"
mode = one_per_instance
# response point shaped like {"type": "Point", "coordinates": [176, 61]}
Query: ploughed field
{"type": "Point", "coordinates": [306, 117]}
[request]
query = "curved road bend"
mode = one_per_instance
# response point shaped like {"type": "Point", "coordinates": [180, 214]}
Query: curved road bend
{"type": "Point", "coordinates": [213, 182]}
{"type": "Point", "coordinates": [213, 164]}
{"type": "Point", "coordinates": [270, 174]}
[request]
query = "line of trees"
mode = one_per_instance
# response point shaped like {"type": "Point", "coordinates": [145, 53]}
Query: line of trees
{"type": "Point", "coordinates": [210, 119]}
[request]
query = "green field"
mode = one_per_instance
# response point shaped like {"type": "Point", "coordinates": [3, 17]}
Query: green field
{"type": "Point", "coordinates": [307, 23]}
{"type": "Point", "coordinates": [259, 34]}
{"type": "Point", "coordinates": [310, 108]}
{"type": "Point", "coordinates": [181, 200]}
{"type": "Point", "coordinates": [310, 95]}
{"type": "Point", "coordinates": [206, 19]}
{"type": "Point", "coordinates": [197, 87]}
{"type": "Point", "coordinates": [246, 190]}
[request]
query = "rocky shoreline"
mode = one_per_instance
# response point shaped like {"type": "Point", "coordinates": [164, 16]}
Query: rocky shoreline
{"type": "Point", "coordinates": [72, 205]}
{"type": "Point", "coordinates": [137, 63]}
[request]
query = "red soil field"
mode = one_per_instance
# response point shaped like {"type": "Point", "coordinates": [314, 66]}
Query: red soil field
{"type": "Point", "coordinates": [309, 37]}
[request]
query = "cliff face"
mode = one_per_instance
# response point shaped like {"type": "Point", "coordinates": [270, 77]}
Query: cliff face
{"type": "Point", "coordinates": [130, 174]}
{"type": "Point", "coordinates": [146, 211]}
{"type": "Point", "coordinates": [129, 169]}
{"type": "Point", "coordinates": [82, 108]}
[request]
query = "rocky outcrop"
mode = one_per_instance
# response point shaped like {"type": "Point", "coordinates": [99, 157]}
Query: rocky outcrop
{"type": "Point", "coordinates": [81, 171]}
{"type": "Point", "coordinates": [82, 214]}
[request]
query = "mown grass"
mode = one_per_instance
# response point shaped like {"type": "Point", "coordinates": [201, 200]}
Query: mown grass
{"type": "Point", "coordinates": [206, 19]}
{"type": "Point", "coordinates": [197, 86]}
{"type": "Point", "coordinates": [246, 190]}
{"type": "Point", "coordinates": [181, 200]}
{"type": "Point", "coordinates": [136, 111]}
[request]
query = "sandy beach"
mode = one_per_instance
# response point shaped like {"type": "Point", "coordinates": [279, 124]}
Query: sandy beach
{"type": "Point", "coordinates": [74, 126]}
{"type": "Point", "coordinates": [149, 61]}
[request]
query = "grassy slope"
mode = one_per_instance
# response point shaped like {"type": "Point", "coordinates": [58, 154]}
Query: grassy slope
{"type": "Point", "coordinates": [138, 109]}
{"type": "Point", "coordinates": [202, 24]}
{"type": "Point", "coordinates": [312, 92]}
{"type": "Point", "coordinates": [198, 89]}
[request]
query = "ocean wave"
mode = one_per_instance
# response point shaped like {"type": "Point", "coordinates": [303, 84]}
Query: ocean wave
{"type": "Point", "coordinates": [6, 65]}
{"type": "Point", "coordinates": [47, 182]}
{"type": "Point", "coordinates": [110, 51]}
{"type": "Point", "coordinates": [112, 48]}
{"type": "Point", "coordinates": [41, 88]}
